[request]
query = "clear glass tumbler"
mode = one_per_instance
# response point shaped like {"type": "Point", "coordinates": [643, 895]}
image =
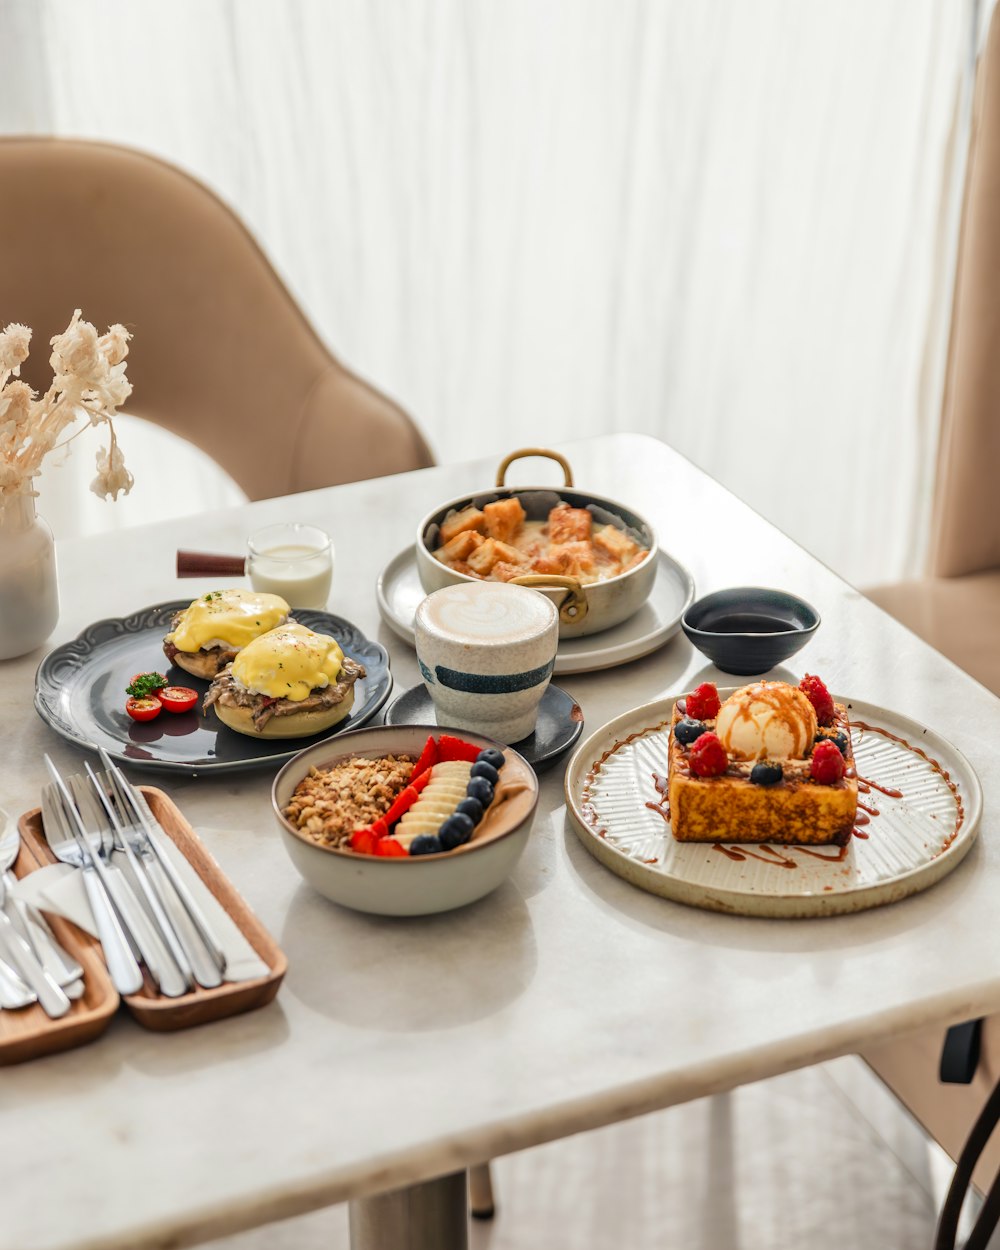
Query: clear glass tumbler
{"type": "Point", "coordinates": [292, 560]}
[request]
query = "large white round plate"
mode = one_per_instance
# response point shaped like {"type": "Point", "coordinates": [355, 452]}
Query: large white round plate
{"type": "Point", "coordinates": [398, 591]}
{"type": "Point", "coordinates": [912, 842]}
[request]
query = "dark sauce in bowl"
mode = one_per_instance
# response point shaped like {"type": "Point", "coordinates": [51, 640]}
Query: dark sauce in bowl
{"type": "Point", "coordinates": [749, 629]}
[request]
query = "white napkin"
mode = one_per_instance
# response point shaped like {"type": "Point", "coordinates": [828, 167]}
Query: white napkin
{"type": "Point", "coordinates": [58, 888]}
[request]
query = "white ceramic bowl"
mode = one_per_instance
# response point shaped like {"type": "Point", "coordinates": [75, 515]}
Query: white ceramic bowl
{"type": "Point", "coordinates": [413, 886]}
{"type": "Point", "coordinates": [607, 602]}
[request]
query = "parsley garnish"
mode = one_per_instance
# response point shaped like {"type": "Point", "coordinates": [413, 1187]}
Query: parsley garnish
{"type": "Point", "coordinates": [145, 685]}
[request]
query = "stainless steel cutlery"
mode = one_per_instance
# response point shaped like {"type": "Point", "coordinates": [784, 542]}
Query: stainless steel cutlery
{"type": "Point", "coordinates": [143, 908]}
{"type": "Point", "coordinates": [144, 911]}
{"type": "Point", "coordinates": [67, 836]}
{"type": "Point", "coordinates": [141, 831]}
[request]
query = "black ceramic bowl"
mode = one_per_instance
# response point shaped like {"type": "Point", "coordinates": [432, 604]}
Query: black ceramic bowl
{"type": "Point", "coordinates": [749, 629]}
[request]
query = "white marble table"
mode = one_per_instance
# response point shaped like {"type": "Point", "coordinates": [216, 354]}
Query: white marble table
{"type": "Point", "coordinates": [398, 1051]}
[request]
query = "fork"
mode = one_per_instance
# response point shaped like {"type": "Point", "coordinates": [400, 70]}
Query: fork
{"type": "Point", "coordinates": [158, 945]}
{"type": "Point", "coordinates": [64, 831]}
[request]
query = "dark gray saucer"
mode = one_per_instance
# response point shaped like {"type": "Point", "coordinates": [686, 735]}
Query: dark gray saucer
{"type": "Point", "coordinates": [560, 722]}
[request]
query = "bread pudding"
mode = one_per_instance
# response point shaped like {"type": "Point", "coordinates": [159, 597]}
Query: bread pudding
{"type": "Point", "coordinates": [773, 763]}
{"type": "Point", "coordinates": [498, 543]}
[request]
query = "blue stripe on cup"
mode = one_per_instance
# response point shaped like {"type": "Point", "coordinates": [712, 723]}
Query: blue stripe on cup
{"type": "Point", "coordinates": [492, 683]}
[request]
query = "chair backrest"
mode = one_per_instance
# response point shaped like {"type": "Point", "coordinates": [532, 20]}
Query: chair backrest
{"type": "Point", "coordinates": [222, 355]}
{"type": "Point", "coordinates": [965, 533]}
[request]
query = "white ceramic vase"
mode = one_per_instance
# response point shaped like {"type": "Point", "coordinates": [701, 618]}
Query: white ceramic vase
{"type": "Point", "coordinates": [29, 591]}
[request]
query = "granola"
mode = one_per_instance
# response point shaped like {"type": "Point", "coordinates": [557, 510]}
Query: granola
{"type": "Point", "coordinates": [329, 804]}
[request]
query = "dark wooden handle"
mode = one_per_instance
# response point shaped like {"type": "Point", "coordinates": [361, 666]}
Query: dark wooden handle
{"type": "Point", "coordinates": [207, 564]}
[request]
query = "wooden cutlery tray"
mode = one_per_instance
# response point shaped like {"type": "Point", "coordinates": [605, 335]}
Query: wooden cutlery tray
{"type": "Point", "coordinates": [30, 1033]}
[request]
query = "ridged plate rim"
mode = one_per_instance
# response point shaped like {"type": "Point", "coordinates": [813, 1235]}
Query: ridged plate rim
{"type": "Point", "coordinates": [777, 903]}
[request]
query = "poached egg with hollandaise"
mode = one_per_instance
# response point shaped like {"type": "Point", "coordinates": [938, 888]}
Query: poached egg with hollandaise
{"type": "Point", "coordinates": [288, 683]}
{"type": "Point", "coordinates": [213, 629]}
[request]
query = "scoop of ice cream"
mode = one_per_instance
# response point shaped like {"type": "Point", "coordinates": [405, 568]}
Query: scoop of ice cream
{"type": "Point", "coordinates": [769, 719]}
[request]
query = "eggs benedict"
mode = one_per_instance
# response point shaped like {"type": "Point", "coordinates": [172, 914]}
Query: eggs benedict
{"type": "Point", "coordinates": [288, 683]}
{"type": "Point", "coordinates": [213, 630]}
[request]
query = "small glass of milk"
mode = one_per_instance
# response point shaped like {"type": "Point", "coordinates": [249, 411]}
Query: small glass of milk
{"type": "Point", "coordinates": [292, 560]}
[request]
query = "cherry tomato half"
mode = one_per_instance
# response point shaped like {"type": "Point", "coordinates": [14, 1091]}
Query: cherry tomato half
{"type": "Point", "coordinates": [177, 698]}
{"type": "Point", "coordinates": [143, 709]}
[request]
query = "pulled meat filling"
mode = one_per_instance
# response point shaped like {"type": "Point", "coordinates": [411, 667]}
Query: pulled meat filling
{"type": "Point", "coordinates": [227, 691]}
{"type": "Point", "coordinates": [223, 657]}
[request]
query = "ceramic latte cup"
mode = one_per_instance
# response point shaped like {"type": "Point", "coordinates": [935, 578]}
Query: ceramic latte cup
{"type": "Point", "coordinates": [486, 651]}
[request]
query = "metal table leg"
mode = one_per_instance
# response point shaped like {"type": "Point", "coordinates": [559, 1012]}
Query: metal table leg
{"type": "Point", "coordinates": [431, 1216]}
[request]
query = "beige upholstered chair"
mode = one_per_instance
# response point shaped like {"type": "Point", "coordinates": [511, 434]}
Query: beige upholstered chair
{"type": "Point", "coordinates": [222, 355]}
{"type": "Point", "coordinates": [956, 607]}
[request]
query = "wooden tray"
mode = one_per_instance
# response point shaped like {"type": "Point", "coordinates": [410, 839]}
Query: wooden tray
{"type": "Point", "coordinates": [28, 1032]}
{"type": "Point", "coordinates": [151, 1009]}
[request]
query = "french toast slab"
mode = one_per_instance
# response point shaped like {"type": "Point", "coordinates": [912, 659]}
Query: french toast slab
{"type": "Point", "coordinates": [731, 808]}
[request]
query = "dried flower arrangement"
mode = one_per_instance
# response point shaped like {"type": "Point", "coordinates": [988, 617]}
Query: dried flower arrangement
{"type": "Point", "coordinates": [89, 381]}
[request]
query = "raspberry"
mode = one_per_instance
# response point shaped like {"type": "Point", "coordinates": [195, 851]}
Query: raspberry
{"type": "Point", "coordinates": [703, 702]}
{"type": "Point", "coordinates": [708, 756]}
{"type": "Point", "coordinates": [827, 763]}
{"type": "Point", "coordinates": [821, 699]}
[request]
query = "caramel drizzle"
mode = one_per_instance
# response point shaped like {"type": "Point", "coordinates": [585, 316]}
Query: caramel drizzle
{"type": "Point", "coordinates": [587, 804]}
{"type": "Point", "coordinates": [766, 854]}
{"type": "Point", "coordinates": [662, 787]}
{"type": "Point", "coordinates": [870, 785]}
{"type": "Point", "coordinates": [935, 765]}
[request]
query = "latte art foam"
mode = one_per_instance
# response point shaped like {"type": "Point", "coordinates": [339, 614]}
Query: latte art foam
{"type": "Point", "coordinates": [486, 612]}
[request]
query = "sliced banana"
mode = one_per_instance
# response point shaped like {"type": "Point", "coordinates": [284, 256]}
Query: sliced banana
{"type": "Point", "coordinates": [438, 799]}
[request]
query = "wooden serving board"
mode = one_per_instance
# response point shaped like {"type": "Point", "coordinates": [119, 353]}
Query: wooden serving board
{"type": "Point", "coordinates": [37, 1033]}
{"type": "Point", "coordinates": [29, 1033]}
{"type": "Point", "coordinates": [231, 998]}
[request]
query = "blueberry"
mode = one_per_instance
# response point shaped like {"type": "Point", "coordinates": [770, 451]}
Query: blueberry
{"type": "Point", "coordinates": [471, 808]}
{"type": "Point", "coordinates": [455, 830]}
{"type": "Point", "coordinates": [765, 773]}
{"type": "Point", "coordinates": [490, 755]}
{"type": "Point", "coordinates": [840, 741]}
{"type": "Point", "coordinates": [482, 769]}
{"type": "Point", "coordinates": [688, 731]}
{"type": "Point", "coordinates": [426, 844]}
{"type": "Point", "coordinates": [481, 789]}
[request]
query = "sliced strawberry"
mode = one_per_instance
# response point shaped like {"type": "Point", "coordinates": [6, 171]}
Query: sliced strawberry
{"type": "Point", "coordinates": [451, 748]}
{"type": "Point", "coordinates": [405, 800]}
{"type": "Point", "coordinates": [364, 841]}
{"type": "Point", "coordinates": [428, 758]}
{"type": "Point", "coordinates": [389, 847]}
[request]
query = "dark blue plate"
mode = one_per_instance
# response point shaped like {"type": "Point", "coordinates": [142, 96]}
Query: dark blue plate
{"type": "Point", "coordinates": [560, 722]}
{"type": "Point", "coordinates": [80, 693]}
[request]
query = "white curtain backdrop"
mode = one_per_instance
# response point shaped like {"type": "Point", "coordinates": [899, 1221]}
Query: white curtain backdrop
{"type": "Point", "coordinates": [728, 224]}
